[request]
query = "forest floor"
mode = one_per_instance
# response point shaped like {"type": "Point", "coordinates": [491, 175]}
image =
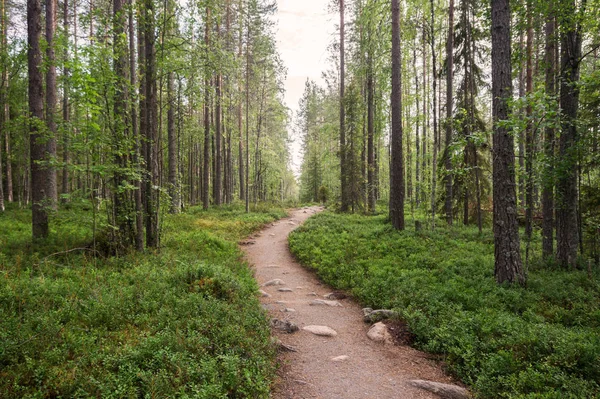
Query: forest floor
{"type": "Point", "coordinates": [366, 369]}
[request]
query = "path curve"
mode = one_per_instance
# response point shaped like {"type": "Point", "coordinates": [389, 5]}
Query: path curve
{"type": "Point", "coordinates": [372, 370]}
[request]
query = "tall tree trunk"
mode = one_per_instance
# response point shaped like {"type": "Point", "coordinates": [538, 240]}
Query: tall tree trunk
{"type": "Point", "coordinates": [218, 142]}
{"type": "Point", "coordinates": [38, 150]}
{"type": "Point", "coordinates": [139, 209]}
{"type": "Point", "coordinates": [247, 167]}
{"type": "Point", "coordinates": [436, 143]}
{"type": "Point", "coordinates": [567, 232]}
{"type": "Point", "coordinates": [5, 106]}
{"type": "Point", "coordinates": [65, 104]}
{"type": "Point", "coordinates": [548, 181]}
{"type": "Point", "coordinates": [151, 192]}
{"type": "Point", "coordinates": [173, 158]}
{"type": "Point", "coordinates": [529, 139]}
{"type": "Point", "coordinates": [521, 139]}
{"type": "Point", "coordinates": [370, 138]}
{"type": "Point", "coordinates": [50, 183]}
{"type": "Point", "coordinates": [396, 164]}
{"type": "Point", "coordinates": [507, 251]}
{"type": "Point", "coordinates": [449, 110]}
{"type": "Point", "coordinates": [343, 166]}
{"type": "Point", "coordinates": [206, 175]}
{"type": "Point", "coordinates": [241, 171]}
{"type": "Point", "coordinates": [418, 184]}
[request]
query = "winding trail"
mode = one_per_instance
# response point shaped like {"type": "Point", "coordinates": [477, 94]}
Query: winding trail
{"type": "Point", "coordinates": [371, 369]}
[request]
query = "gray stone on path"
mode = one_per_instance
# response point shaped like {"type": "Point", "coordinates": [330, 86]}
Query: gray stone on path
{"type": "Point", "coordinates": [280, 302]}
{"type": "Point", "coordinates": [273, 282]}
{"type": "Point", "coordinates": [445, 391]}
{"type": "Point", "coordinates": [336, 295]}
{"type": "Point", "coordinates": [284, 325]}
{"type": "Point", "coordinates": [289, 310]}
{"type": "Point", "coordinates": [379, 333]}
{"type": "Point", "coordinates": [264, 294]}
{"type": "Point", "coordinates": [312, 294]}
{"type": "Point", "coordinates": [342, 358]}
{"type": "Point", "coordinates": [285, 290]}
{"type": "Point", "coordinates": [323, 331]}
{"type": "Point", "coordinates": [323, 302]}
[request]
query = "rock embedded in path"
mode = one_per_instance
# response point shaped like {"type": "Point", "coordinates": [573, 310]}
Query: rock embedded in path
{"type": "Point", "coordinates": [285, 290]}
{"type": "Point", "coordinates": [312, 294]}
{"type": "Point", "coordinates": [379, 333]}
{"type": "Point", "coordinates": [323, 302]}
{"type": "Point", "coordinates": [445, 391]}
{"type": "Point", "coordinates": [342, 358]}
{"type": "Point", "coordinates": [289, 310]}
{"type": "Point", "coordinates": [336, 295]}
{"type": "Point", "coordinates": [264, 294]}
{"type": "Point", "coordinates": [284, 325]}
{"type": "Point", "coordinates": [273, 282]}
{"type": "Point", "coordinates": [323, 331]}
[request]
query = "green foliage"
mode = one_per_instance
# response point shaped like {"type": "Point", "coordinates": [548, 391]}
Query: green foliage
{"type": "Point", "coordinates": [536, 342]}
{"type": "Point", "coordinates": [182, 323]}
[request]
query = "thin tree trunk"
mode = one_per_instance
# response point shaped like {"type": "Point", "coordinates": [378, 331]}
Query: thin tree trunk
{"type": "Point", "coordinates": [206, 175]}
{"type": "Point", "coordinates": [172, 147]}
{"type": "Point", "coordinates": [449, 110]}
{"type": "Point", "coordinates": [242, 174]}
{"type": "Point", "coordinates": [529, 139]}
{"type": "Point", "coordinates": [65, 105]}
{"type": "Point", "coordinates": [435, 119]}
{"type": "Point", "coordinates": [139, 211]}
{"type": "Point", "coordinates": [343, 166]}
{"type": "Point", "coordinates": [51, 101]}
{"type": "Point", "coordinates": [507, 253]}
{"type": "Point", "coordinates": [418, 185]}
{"type": "Point", "coordinates": [548, 182]}
{"type": "Point", "coordinates": [370, 138]}
{"type": "Point", "coordinates": [396, 165]}
{"type": "Point", "coordinates": [218, 141]}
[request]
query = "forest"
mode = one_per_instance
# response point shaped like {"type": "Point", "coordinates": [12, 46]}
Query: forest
{"type": "Point", "coordinates": [454, 143]}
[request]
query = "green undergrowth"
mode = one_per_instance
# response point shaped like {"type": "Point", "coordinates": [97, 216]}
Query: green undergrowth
{"type": "Point", "coordinates": [542, 341]}
{"type": "Point", "coordinates": [184, 322]}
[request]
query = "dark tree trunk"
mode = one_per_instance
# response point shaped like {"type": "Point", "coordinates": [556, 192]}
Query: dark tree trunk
{"type": "Point", "coordinates": [396, 164]}
{"type": "Point", "coordinates": [418, 185]}
{"type": "Point", "coordinates": [38, 149]}
{"type": "Point", "coordinates": [343, 166]}
{"type": "Point", "coordinates": [241, 171]}
{"type": "Point", "coordinates": [50, 183]}
{"type": "Point", "coordinates": [151, 192]}
{"type": "Point", "coordinates": [6, 108]}
{"type": "Point", "coordinates": [507, 251]}
{"type": "Point", "coordinates": [174, 190]}
{"type": "Point", "coordinates": [65, 105]}
{"type": "Point", "coordinates": [548, 182]}
{"type": "Point", "coordinates": [567, 232]}
{"type": "Point", "coordinates": [449, 110]}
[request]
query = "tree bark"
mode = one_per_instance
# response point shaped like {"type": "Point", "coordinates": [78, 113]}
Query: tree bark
{"type": "Point", "coordinates": [449, 110]}
{"type": "Point", "coordinates": [396, 165]}
{"type": "Point", "coordinates": [507, 251]}
{"type": "Point", "coordinates": [343, 166]}
{"type": "Point", "coordinates": [567, 232]}
{"type": "Point", "coordinates": [548, 182]}
{"type": "Point", "coordinates": [151, 191]}
{"type": "Point", "coordinates": [38, 150]}
{"type": "Point", "coordinates": [206, 175]}
{"type": "Point", "coordinates": [65, 105]}
{"type": "Point", "coordinates": [436, 141]}
{"type": "Point", "coordinates": [529, 139]}
{"type": "Point", "coordinates": [172, 147]}
{"type": "Point", "coordinates": [51, 101]}
{"type": "Point", "coordinates": [370, 138]}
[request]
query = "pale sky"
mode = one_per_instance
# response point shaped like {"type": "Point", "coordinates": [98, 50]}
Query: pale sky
{"type": "Point", "coordinates": [304, 30]}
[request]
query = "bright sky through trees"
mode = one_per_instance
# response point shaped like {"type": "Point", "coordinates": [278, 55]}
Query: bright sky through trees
{"type": "Point", "coordinates": [305, 29]}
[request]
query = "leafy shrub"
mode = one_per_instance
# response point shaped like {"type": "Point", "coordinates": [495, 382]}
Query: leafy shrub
{"type": "Point", "coordinates": [182, 323]}
{"type": "Point", "coordinates": [536, 342]}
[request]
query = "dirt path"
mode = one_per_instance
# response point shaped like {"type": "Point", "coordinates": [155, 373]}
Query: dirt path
{"type": "Point", "coordinates": [372, 370]}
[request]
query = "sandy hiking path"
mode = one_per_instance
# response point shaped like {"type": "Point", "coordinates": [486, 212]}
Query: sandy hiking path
{"type": "Point", "coordinates": [366, 369]}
